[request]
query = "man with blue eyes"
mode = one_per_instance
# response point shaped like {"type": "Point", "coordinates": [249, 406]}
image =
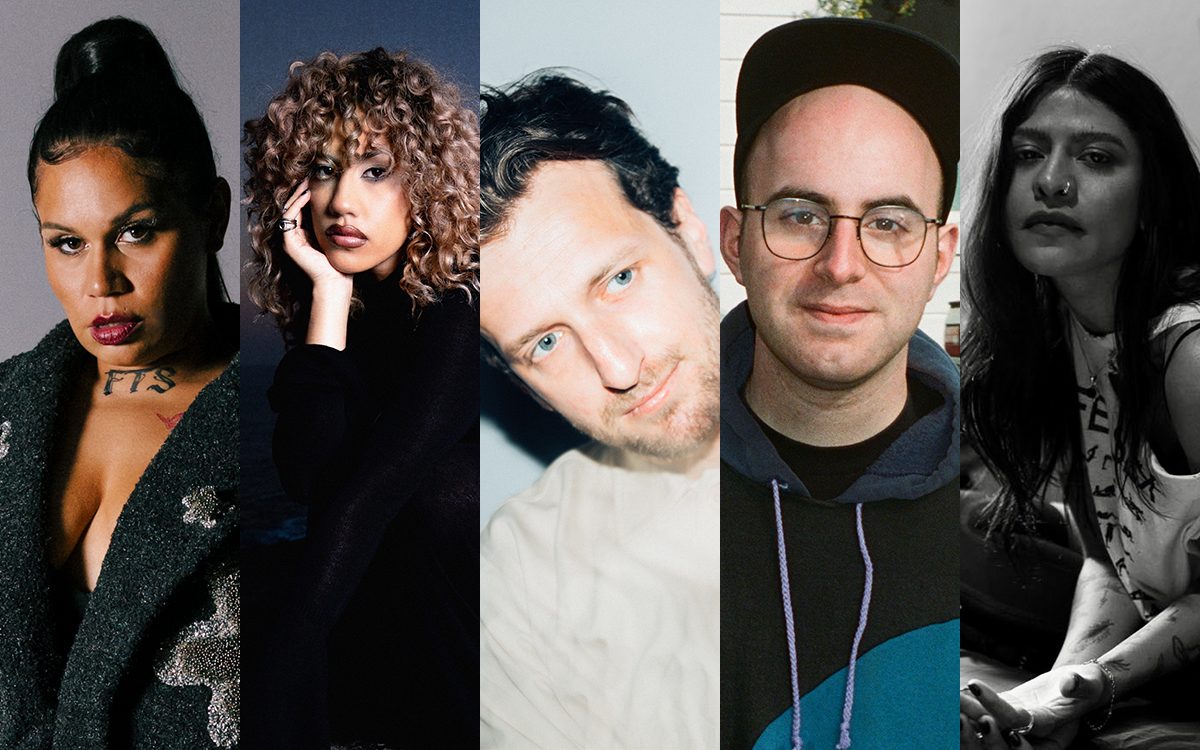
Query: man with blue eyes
{"type": "Point", "coordinates": [599, 597]}
{"type": "Point", "coordinates": [839, 419]}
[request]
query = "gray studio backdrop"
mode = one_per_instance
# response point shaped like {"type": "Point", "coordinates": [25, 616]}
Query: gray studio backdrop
{"type": "Point", "coordinates": [202, 40]}
{"type": "Point", "coordinates": [275, 34]}
{"type": "Point", "coordinates": [660, 57]}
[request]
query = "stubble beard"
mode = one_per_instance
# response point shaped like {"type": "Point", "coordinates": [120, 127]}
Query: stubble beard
{"type": "Point", "coordinates": [693, 420]}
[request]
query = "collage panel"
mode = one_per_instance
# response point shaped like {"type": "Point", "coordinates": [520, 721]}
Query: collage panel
{"type": "Point", "coordinates": [361, 322]}
{"type": "Point", "coordinates": [1081, 443]}
{"type": "Point", "coordinates": [598, 579]}
{"type": "Point", "coordinates": [839, 399]}
{"type": "Point", "coordinates": [118, 425]}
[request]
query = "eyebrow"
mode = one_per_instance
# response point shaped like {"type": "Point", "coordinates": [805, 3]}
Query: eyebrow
{"type": "Point", "coordinates": [1087, 134]}
{"type": "Point", "coordinates": [117, 221]}
{"type": "Point", "coordinates": [371, 153]}
{"type": "Point", "coordinates": [614, 263]}
{"type": "Point", "coordinates": [898, 199]}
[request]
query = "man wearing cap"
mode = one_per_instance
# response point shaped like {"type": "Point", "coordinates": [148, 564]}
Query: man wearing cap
{"type": "Point", "coordinates": [599, 600]}
{"type": "Point", "coordinates": [839, 419]}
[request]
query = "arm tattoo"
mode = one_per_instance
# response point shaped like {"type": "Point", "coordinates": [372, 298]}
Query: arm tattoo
{"type": "Point", "coordinates": [162, 379]}
{"type": "Point", "coordinates": [1097, 632]}
{"type": "Point", "coordinates": [1184, 652]}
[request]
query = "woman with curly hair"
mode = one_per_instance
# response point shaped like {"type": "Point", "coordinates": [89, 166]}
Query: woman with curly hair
{"type": "Point", "coordinates": [363, 215]}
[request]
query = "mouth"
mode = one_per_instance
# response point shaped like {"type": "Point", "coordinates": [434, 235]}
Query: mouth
{"type": "Point", "coordinates": [346, 236]}
{"type": "Point", "coordinates": [1054, 221]}
{"type": "Point", "coordinates": [838, 314]}
{"type": "Point", "coordinates": [113, 330]}
{"type": "Point", "coordinates": [655, 398]}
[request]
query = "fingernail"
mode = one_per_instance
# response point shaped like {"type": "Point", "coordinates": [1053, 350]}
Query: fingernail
{"type": "Point", "coordinates": [974, 689]}
{"type": "Point", "coordinates": [1012, 739]}
{"type": "Point", "coordinates": [985, 727]}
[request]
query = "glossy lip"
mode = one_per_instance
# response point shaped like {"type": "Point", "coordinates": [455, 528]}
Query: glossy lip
{"type": "Point", "coordinates": [113, 330]}
{"type": "Point", "coordinates": [1053, 220]}
{"type": "Point", "coordinates": [841, 314]}
{"type": "Point", "coordinates": [655, 398]}
{"type": "Point", "coordinates": [344, 235]}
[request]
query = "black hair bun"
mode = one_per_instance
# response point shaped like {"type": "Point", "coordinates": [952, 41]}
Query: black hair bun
{"type": "Point", "coordinates": [117, 47]}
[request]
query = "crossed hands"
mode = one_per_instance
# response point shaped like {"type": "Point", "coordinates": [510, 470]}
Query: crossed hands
{"type": "Point", "coordinates": [1043, 713]}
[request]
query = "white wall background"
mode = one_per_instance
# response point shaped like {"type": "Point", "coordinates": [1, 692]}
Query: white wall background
{"type": "Point", "coordinates": [660, 57]}
{"type": "Point", "coordinates": [1162, 38]}
{"type": "Point", "coordinates": [743, 22]}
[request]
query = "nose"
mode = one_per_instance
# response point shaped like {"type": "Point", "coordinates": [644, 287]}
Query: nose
{"type": "Point", "coordinates": [1054, 184]}
{"type": "Point", "coordinates": [345, 200]}
{"type": "Point", "coordinates": [616, 357]}
{"type": "Point", "coordinates": [105, 275]}
{"type": "Point", "coordinates": [841, 260]}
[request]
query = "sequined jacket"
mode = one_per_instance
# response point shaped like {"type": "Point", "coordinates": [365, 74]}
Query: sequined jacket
{"type": "Point", "coordinates": [154, 663]}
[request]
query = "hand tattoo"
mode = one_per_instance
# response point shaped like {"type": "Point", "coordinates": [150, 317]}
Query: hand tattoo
{"type": "Point", "coordinates": [161, 374]}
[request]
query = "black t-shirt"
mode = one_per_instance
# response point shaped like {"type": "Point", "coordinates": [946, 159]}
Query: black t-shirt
{"type": "Point", "coordinates": [829, 471]}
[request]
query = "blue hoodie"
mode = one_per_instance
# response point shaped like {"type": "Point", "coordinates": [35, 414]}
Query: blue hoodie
{"type": "Point", "coordinates": [870, 598]}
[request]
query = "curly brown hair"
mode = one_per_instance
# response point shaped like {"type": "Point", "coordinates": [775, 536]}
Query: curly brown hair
{"type": "Point", "coordinates": [434, 139]}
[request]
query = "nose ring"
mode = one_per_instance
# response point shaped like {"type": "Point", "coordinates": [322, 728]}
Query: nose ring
{"type": "Point", "coordinates": [1066, 188]}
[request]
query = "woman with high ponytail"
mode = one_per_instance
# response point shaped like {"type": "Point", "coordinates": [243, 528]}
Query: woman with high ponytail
{"type": "Point", "coordinates": [119, 606]}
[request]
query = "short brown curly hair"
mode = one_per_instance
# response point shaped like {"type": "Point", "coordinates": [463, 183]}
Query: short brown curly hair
{"type": "Point", "coordinates": [435, 142]}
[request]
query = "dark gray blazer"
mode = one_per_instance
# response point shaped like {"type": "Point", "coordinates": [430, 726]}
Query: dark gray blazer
{"type": "Point", "coordinates": [155, 662]}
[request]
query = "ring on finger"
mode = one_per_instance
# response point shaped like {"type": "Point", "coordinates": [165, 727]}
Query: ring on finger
{"type": "Point", "coordinates": [285, 225]}
{"type": "Point", "coordinates": [1027, 728]}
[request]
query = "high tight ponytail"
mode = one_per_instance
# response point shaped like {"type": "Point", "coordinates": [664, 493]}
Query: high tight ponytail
{"type": "Point", "coordinates": [114, 86]}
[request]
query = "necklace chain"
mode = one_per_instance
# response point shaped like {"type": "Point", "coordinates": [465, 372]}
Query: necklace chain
{"type": "Point", "coordinates": [1087, 361]}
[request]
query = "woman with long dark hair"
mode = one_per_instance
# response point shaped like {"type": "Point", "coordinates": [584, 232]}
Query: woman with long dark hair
{"type": "Point", "coordinates": [364, 215]}
{"type": "Point", "coordinates": [1080, 369]}
{"type": "Point", "coordinates": [118, 431]}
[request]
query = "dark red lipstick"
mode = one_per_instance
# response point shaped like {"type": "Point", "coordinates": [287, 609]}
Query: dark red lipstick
{"type": "Point", "coordinates": [113, 330]}
{"type": "Point", "coordinates": [346, 236]}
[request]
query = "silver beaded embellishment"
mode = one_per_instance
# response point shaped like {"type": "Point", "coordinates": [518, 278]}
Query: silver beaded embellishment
{"type": "Point", "coordinates": [202, 507]}
{"type": "Point", "coordinates": [208, 653]}
{"type": "Point", "coordinates": [5, 431]}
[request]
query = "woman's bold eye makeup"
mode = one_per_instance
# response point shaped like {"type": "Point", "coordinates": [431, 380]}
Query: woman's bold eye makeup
{"type": "Point", "coordinates": [322, 171]}
{"type": "Point", "coordinates": [137, 232]}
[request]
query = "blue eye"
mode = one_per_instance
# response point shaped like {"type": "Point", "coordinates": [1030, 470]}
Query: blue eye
{"type": "Point", "coordinates": [621, 280]}
{"type": "Point", "coordinates": [545, 345]}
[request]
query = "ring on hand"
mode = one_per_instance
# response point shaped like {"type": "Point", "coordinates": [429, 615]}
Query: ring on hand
{"type": "Point", "coordinates": [287, 224]}
{"type": "Point", "coordinates": [1027, 728]}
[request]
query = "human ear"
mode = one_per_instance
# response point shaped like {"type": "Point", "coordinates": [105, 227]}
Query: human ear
{"type": "Point", "coordinates": [217, 215]}
{"type": "Point", "coordinates": [693, 232]}
{"type": "Point", "coordinates": [731, 240]}
{"type": "Point", "coordinates": [947, 246]}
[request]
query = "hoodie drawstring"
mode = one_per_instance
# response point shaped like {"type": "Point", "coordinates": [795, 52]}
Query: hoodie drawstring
{"type": "Point", "coordinates": [790, 622]}
{"type": "Point", "coordinates": [789, 619]}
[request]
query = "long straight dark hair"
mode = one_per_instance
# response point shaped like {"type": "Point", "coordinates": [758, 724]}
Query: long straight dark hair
{"type": "Point", "coordinates": [1020, 406]}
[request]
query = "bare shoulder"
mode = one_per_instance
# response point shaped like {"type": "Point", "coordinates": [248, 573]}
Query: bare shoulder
{"type": "Point", "coordinates": [1182, 389]}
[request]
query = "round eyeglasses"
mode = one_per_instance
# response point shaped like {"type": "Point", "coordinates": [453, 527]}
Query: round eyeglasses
{"type": "Point", "coordinates": [797, 229]}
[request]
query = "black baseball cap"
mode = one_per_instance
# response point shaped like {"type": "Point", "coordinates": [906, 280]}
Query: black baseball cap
{"type": "Point", "coordinates": [812, 53]}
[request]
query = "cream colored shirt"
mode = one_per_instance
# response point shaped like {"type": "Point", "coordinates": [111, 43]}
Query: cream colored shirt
{"type": "Point", "coordinates": [600, 609]}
